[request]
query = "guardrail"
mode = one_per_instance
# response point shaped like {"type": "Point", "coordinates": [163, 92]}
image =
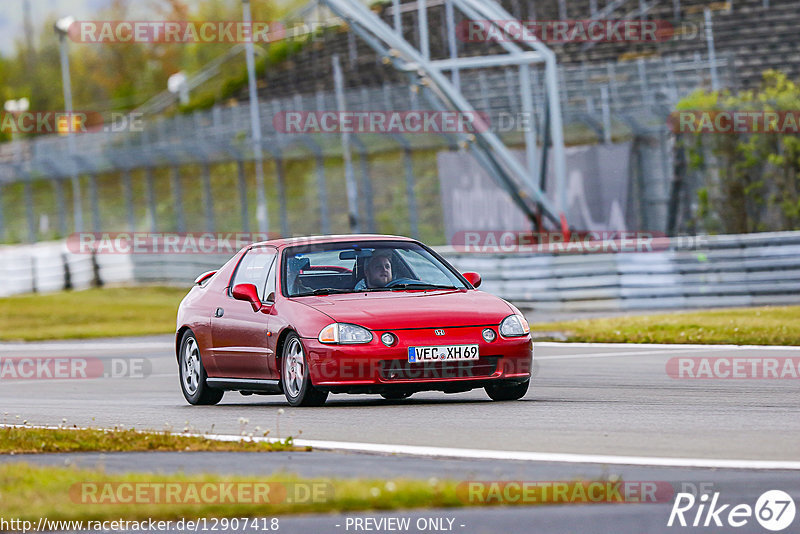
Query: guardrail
{"type": "Point", "coordinates": [735, 270]}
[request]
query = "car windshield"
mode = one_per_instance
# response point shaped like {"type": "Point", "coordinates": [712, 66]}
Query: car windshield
{"type": "Point", "coordinates": [349, 267]}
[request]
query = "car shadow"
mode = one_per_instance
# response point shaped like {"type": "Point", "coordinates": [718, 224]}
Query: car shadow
{"type": "Point", "coordinates": [333, 402]}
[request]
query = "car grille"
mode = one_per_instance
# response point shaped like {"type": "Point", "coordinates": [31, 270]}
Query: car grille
{"type": "Point", "coordinates": [454, 370]}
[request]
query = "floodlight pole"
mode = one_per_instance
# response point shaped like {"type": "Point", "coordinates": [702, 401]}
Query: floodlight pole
{"type": "Point", "coordinates": [66, 82]}
{"type": "Point", "coordinates": [349, 175]}
{"type": "Point", "coordinates": [255, 124]}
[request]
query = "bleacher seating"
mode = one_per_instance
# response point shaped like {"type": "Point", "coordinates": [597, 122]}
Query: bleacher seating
{"type": "Point", "coordinates": [757, 37]}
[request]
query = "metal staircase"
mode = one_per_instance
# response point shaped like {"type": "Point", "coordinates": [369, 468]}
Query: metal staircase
{"type": "Point", "coordinates": [524, 182]}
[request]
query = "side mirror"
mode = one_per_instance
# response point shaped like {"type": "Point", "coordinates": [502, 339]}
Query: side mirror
{"type": "Point", "coordinates": [248, 293]}
{"type": "Point", "coordinates": [472, 278]}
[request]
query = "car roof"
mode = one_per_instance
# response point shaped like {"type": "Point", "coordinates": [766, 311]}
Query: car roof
{"type": "Point", "coordinates": [340, 238]}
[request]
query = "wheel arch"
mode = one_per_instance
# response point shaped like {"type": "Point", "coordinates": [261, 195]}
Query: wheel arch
{"type": "Point", "coordinates": [178, 338]}
{"type": "Point", "coordinates": [279, 345]}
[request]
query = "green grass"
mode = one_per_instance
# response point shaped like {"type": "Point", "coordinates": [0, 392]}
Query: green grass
{"type": "Point", "coordinates": [151, 310]}
{"type": "Point", "coordinates": [772, 325]}
{"type": "Point", "coordinates": [122, 311]}
{"type": "Point", "coordinates": [21, 440]}
{"type": "Point", "coordinates": [60, 493]}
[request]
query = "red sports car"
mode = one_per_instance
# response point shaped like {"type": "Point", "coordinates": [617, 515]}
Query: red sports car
{"type": "Point", "coordinates": [347, 314]}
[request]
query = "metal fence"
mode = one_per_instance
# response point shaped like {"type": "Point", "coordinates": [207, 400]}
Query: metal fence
{"type": "Point", "coordinates": [600, 102]}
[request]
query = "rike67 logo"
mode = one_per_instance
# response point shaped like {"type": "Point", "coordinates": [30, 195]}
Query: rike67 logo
{"type": "Point", "coordinates": [774, 510]}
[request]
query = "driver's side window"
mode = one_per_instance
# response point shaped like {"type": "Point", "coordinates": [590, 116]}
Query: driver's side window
{"type": "Point", "coordinates": [253, 269]}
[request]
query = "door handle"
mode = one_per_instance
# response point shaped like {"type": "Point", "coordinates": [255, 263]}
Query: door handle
{"type": "Point", "coordinates": [219, 313]}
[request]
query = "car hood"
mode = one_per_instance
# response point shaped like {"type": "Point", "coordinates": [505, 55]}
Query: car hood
{"type": "Point", "coordinates": [412, 309]}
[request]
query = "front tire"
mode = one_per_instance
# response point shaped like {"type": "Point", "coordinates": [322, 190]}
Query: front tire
{"type": "Point", "coordinates": [193, 375]}
{"type": "Point", "coordinates": [295, 376]}
{"type": "Point", "coordinates": [508, 393]}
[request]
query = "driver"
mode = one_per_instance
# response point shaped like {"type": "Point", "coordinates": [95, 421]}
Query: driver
{"type": "Point", "coordinates": [378, 270]}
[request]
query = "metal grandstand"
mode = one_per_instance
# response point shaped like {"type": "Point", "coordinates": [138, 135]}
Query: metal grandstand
{"type": "Point", "coordinates": [598, 101]}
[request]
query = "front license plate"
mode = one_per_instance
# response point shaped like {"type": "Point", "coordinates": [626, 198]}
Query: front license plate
{"type": "Point", "coordinates": [443, 353]}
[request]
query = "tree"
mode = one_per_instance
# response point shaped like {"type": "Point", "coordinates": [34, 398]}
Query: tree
{"type": "Point", "coordinates": [751, 179]}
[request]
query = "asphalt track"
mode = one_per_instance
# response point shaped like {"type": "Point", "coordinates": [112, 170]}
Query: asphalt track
{"type": "Point", "coordinates": [585, 399]}
{"type": "Point", "coordinates": [593, 411]}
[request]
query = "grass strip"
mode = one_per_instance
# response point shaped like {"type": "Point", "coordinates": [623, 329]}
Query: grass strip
{"type": "Point", "coordinates": [771, 325]}
{"type": "Point", "coordinates": [29, 492]}
{"type": "Point", "coordinates": [21, 440]}
{"type": "Point", "coordinates": [107, 312]}
{"type": "Point", "coordinates": [125, 311]}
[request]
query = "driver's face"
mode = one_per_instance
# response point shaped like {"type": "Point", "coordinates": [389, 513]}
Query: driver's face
{"type": "Point", "coordinates": [379, 272]}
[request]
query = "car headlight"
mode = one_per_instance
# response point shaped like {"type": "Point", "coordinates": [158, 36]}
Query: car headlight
{"type": "Point", "coordinates": [344, 333]}
{"type": "Point", "coordinates": [514, 326]}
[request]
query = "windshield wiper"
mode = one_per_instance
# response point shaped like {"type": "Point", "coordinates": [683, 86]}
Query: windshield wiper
{"type": "Point", "coordinates": [396, 287]}
{"type": "Point", "coordinates": [420, 285]}
{"type": "Point", "coordinates": [323, 291]}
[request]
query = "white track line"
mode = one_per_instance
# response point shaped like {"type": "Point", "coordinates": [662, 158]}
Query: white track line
{"type": "Point", "coordinates": [485, 454]}
{"type": "Point", "coordinates": [664, 346]}
{"type": "Point", "coordinates": [616, 354]}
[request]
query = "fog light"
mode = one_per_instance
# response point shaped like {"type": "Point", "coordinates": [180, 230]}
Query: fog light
{"type": "Point", "coordinates": [489, 335]}
{"type": "Point", "coordinates": [388, 339]}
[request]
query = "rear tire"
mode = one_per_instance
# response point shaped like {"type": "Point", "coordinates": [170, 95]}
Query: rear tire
{"type": "Point", "coordinates": [193, 375]}
{"type": "Point", "coordinates": [295, 376]}
{"type": "Point", "coordinates": [508, 393]}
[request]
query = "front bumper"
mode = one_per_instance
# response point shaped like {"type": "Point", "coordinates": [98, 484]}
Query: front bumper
{"type": "Point", "coordinates": [376, 368]}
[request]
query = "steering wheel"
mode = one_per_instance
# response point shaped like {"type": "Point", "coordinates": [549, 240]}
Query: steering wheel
{"type": "Point", "coordinates": [398, 281]}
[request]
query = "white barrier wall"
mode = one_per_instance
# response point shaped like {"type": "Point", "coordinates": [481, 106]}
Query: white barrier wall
{"type": "Point", "coordinates": [15, 272]}
{"type": "Point", "coordinates": [741, 270]}
{"type": "Point", "coordinates": [41, 267]}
